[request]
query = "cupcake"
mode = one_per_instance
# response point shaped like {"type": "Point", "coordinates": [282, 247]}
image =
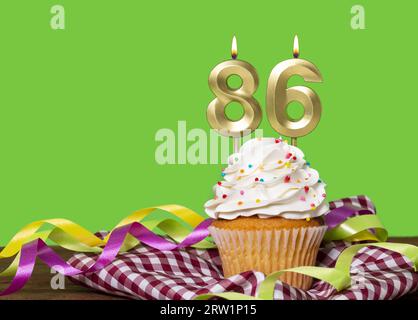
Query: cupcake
{"type": "Point", "coordinates": [267, 211]}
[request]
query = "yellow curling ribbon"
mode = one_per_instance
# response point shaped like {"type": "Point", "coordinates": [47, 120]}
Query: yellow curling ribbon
{"type": "Point", "coordinates": [77, 232]}
{"type": "Point", "coordinates": [74, 237]}
{"type": "Point", "coordinates": [71, 236]}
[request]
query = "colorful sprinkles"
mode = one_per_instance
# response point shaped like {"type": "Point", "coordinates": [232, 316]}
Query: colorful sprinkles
{"type": "Point", "coordinates": [288, 163]}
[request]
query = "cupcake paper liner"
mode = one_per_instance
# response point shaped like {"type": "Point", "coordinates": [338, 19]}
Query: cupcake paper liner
{"type": "Point", "coordinates": [269, 251]}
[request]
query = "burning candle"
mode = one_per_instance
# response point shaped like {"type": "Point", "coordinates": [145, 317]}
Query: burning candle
{"type": "Point", "coordinates": [279, 96]}
{"type": "Point", "coordinates": [218, 83]}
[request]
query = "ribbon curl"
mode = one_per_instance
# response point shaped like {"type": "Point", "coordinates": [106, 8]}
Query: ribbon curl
{"type": "Point", "coordinates": [39, 249]}
{"type": "Point", "coordinates": [76, 238]}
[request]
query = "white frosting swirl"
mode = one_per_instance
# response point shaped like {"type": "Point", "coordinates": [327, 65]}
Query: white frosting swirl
{"type": "Point", "coordinates": [268, 177]}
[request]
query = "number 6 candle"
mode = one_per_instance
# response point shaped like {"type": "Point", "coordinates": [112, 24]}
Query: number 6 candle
{"type": "Point", "coordinates": [218, 83]}
{"type": "Point", "coordinates": [279, 96]}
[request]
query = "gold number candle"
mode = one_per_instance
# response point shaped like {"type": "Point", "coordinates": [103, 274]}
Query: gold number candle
{"type": "Point", "coordinates": [218, 83]}
{"type": "Point", "coordinates": [279, 96]}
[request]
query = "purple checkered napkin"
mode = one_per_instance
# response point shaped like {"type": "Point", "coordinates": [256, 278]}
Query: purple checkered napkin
{"type": "Point", "coordinates": [147, 273]}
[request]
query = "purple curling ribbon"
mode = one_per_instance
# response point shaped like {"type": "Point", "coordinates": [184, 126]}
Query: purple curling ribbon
{"type": "Point", "coordinates": [38, 248]}
{"type": "Point", "coordinates": [340, 214]}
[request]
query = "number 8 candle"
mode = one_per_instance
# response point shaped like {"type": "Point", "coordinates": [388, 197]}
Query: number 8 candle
{"type": "Point", "coordinates": [218, 83]}
{"type": "Point", "coordinates": [279, 96]}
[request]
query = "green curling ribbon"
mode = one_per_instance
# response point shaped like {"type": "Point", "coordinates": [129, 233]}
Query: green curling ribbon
{"type": "Point", "coordinates": [352, 230]}
{"type": "Point", "coordinates": [356, 229]}
{"type": "Point", "coordinates": [338, 277]}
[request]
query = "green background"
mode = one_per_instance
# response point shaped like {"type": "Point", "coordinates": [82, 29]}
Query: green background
{"type": "Point", "coordinates": [79, 108]}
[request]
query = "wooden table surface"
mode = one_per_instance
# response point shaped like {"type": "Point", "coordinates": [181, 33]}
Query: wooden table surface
{"type": "Point", "coordinates": [38, 287]}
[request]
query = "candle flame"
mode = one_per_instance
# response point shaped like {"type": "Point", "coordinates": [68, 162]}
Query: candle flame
{"type": "Point", "coordinates": [234, 48]}
{"type": "Point", "coordinates": [296, 47]}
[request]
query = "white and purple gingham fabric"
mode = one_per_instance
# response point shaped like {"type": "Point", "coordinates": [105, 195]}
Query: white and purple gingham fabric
{"type": "Point", "coordinates": [147, 273]}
